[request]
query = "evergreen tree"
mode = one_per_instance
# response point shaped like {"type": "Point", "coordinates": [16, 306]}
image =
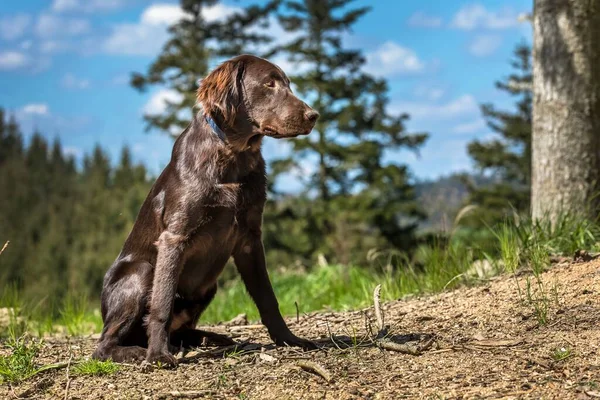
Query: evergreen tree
{"type": "Point", "coordinates": [507, 158]}
{"type": "Point", "coordinates": [195, 43]}
{"type": "Point", "coordinates": [359, 201]}
{"type": "Point", "coordinates": [16, 194]}
{"type": "Point", "coordinates": [65, 225]}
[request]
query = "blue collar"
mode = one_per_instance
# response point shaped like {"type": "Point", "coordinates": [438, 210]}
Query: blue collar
{"type": "Point", "coordinates": [215, 128]}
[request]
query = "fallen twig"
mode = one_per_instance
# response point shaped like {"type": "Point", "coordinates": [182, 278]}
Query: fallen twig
{"type": "Point", "coordinates": [4, 247]}
{"type": "Point", "coordinates": [377, 305]}
{"type": "Point", "coordinates": [244, 327]}
{"type": "Point", "coordinates": [68, 377]}
{"type": "Point", "coordinates": [399, 347]}
{"type": "Point", "coordinates": [331, 337]}
{"type": "Point", "coordinates": [426, 345]}
{"type": "Point", "coordinates": [315, 368]}
{"type": "Point", "coordinates": [49, 367]}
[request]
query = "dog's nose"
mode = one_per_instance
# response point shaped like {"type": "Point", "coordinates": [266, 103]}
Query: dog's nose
{"type": "Point", "coordinates": [311, 115]}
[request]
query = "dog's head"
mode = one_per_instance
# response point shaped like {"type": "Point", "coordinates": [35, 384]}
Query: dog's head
{"type": "Point", "coordinates": [248, 93]}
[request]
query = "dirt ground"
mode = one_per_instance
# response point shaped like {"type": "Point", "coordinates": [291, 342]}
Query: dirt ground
{"type": "Point", "coordinates": [486, 344]}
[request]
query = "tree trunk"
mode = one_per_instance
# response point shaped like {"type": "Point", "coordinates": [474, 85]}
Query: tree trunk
{"type": "Point", "coordinates": [566, 109]}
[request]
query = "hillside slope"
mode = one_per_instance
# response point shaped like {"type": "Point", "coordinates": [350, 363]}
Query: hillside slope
{"type": "Point", "coordinates": [487, 344]}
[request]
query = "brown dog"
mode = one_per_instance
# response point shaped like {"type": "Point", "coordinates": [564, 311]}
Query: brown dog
{"type": "Point", "coordinates": [205, 207]}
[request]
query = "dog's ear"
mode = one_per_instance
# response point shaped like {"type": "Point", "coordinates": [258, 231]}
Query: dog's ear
{"type": "Point", "coordinates": [221, 90]}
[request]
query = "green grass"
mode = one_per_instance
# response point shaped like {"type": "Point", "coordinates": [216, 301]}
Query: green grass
{"type": "Point", "coordinates": [95, 368]}
{"type": "Point", "coordinates": [528, 246]}
{"type": "Point", "coordinates": [561, 353]}
{"type": "Point", "coordinates": [74, 316]}
{"type": "Point", "coordinates": [337, 287]}
{"type": "Point", "coordinates": [514, 247]}
{"type": "Point", "coordinates": [19, 364]}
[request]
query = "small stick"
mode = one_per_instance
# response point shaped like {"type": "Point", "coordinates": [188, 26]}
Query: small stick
{"type": "Point", "coordinates": [68, 377]}
{"type": "Point", "coordinates": [426, 345]}
{"type": "Point", "coordinates": [377, 304]}
{"type": "Point", "coordinates": [4, 247]}
{"type": "Point", "coordinates": [331, 335]}
{"type": "Point", "coordinates": [315, 368]}
{"type": "Point", "coordinates": [399, 347]}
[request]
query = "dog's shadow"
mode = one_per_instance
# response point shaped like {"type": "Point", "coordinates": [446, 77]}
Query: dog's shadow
{"type": "Point", "coordinates": [411, 343]}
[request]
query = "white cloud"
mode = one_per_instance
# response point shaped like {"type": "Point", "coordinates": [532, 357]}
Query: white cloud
{"type": "Point", "coordinates": [475, 16]}
{"type": "Point", "coordinates": [162, 14]}
{"type": "Point", "coordinates": [70, 81]}
{"type": "Point", "coordinates": [462, 105]}
{"type": "Point", "coordinates": [86, 5]}
{"type": "Point", "coordinates": [36, 109]}
{"type": "Point", "coordinates": [485, 45]}
{"type": "Point", "coordinates": [10, 60]}
{"type": "Point", "coordinates": [470, 127]}
{"type": "Point", "coordinates": [423, 20]}
{"type": "Point", "coordinates": [391, 59]}
{"type": "Point", "coordinates": [14, 27]}
{"type": "Point", "coordinates": [218, 12]}
{"type": "Point", "coordinates": [148, 35]}
{"type": "Point", "coordinates": [136, 39]}
{"type": "Point", "coordinates": [73, 151]}
{"type": "Point", "coordinates": [158, 101]}
{"type": "Point", "coordinates": [52, 46]}
{"type": "Point", "coordinates": [52, 25]}
{"type": "Point", "coordinates": [429, 92]}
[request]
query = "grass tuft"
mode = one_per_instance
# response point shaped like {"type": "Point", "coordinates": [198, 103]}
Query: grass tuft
{"type": "Point", "coordinates": [19, 364]}
{"type": "Point", "coordinates": [95, 368]}
{"type": "Point", "coordinates": [561, 353]}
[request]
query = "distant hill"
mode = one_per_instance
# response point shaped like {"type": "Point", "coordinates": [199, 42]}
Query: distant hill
{"type": "Point", "coordinates": [442, 198]}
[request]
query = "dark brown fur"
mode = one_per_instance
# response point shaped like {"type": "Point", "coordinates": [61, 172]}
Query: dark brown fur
{"type": "Point", "coordinates": [205, 207]}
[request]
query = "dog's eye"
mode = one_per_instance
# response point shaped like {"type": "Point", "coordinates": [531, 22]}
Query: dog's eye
{"type": "Point", "coordinates": [270, 84]}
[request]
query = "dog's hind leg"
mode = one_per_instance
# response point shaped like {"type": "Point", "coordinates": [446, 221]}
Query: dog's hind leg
{"type": "Point", "coordinates": [124, 298]}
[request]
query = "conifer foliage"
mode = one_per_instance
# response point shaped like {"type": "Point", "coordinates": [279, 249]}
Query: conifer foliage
{"type": "Point", "coordinates": [66, 224]}
{"type": "Point", "coordinates": [361, 195]}
{"type": "Point", "coordinates": [506, 159]}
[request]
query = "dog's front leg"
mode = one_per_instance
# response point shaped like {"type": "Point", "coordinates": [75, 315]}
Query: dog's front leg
{"type": "Point", "coordinates": [250, 261]}
{"type": "Point", "coordinates": [164, 287]}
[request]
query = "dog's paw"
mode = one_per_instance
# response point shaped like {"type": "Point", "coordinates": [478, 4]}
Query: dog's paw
{"type": "Point", "coordinates": [216, 339]}
{"type": "Point", "coordinates": [161, 359]}
{"type": "Point", "coordinates": [295, 341]}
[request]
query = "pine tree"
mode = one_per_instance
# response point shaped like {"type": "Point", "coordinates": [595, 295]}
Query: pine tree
{"type": "Point", "coordinates": [506, 160]}
{"type": "Point", "coordinates": [12, 142]}
{"type": "Point", "coordinates": [13, 211]}
{"type": "Point", "coordinates": [195, 43]}
{"type": "Point", "coordinates": [358, 199]}
{"type": "Point", "coordinates": [65, 225]}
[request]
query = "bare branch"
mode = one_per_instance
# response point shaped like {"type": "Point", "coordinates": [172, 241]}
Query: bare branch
{"type": "Point", "coordinates": [315, 368]}
{"type": "Point", "coordinates": [4, 247]}
{"type": "Point", "coordinates": [377, 305]}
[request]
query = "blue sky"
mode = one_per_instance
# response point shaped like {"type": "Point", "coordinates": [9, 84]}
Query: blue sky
{"type": "Point", "coordinates": [64, 68]}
